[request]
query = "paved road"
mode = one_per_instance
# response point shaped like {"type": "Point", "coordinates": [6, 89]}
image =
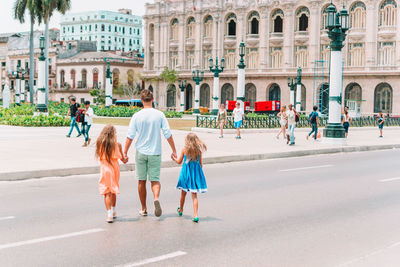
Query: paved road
{"type": "Point", "coordinates": [331, 210]}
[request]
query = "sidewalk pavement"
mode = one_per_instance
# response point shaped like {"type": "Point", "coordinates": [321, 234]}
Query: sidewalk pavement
{"type": "Point", "coordinates": [46, 152]}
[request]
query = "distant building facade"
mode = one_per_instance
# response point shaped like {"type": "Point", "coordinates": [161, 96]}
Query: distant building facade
{"type": "Point", "coordinates": [280, 36]}
{"type": "Point", "coordinates": [112, 31]}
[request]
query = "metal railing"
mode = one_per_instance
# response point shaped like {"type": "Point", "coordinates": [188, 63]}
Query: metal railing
{"type": "Point", "coordinates": [266, 122]}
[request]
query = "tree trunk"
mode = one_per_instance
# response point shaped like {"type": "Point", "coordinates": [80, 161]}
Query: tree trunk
{"type": "Point", "coordinates": [31, 64]}
{"type": "Point", "coordinates": [46, 53]}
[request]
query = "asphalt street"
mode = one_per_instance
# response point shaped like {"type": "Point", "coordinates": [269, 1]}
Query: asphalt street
{"type": "Point", "coordinates": [330, 210]}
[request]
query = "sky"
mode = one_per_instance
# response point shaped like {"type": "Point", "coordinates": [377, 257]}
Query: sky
{"type": "Point", "coordinates": [8, 24]}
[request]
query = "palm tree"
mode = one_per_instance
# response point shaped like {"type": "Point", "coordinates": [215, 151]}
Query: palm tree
{"type": "Point", "coordinates": [34, 8]}
{"type": "Point", "coordinates": [48, 8]}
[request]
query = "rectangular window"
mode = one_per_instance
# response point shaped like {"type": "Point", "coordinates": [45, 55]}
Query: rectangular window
{"type": "Point", "coordinates": [386, 53]}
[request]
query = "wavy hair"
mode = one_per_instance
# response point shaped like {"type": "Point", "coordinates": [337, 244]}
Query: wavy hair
{"type": "Point", "coordinates": [194, 147]}
{"type": "Point", "coordinates": [106, 143]}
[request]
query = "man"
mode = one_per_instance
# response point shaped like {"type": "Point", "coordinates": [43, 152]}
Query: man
{"type": "Point", "coordinates": [87, 123]}
{"type": "Point", "coordinates": [73, 108]}
{"type": "Point", "coordinates": [238, 118]}
{"type": "Point", "coordinates": [381, 122]}
{"type": "Point", "coordinates": [314, 120]}
{"type": "Point", "coordinates": [147, 125]}
{"type": "Point", "coordinates": [291, 114]}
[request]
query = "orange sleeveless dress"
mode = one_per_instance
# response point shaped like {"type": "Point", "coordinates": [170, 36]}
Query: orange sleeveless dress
{"type": "Point", "coordinates": [110, 173]}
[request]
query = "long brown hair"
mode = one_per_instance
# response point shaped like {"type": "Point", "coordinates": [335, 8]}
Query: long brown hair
{"type": "Point", "coordinates": [194, 147]}
{"type": "Point", "coordinates": [106, 142]}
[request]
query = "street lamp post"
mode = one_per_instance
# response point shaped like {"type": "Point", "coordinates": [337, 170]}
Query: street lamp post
{"type": "Point", "coordinates": [298, 90]}
{"type": "Point", "coordinates": [109, 89]}
{"type": "Point", "coordinates": [216, 70]}
{"type": "Point", "coordinates": [17, 87]}
{"type": "Point", "coordinates": [182, 86]}
{"type": "Point", "coordinates": [198, 77]}
{"type": "Point", "coordinates": [241, 76]}
{"type": "Point", "coordinates": [41, 91]}
{"type": "Point", "coordinates": [291, 85]}
{"type": "Point", "coordinates": [22, 87]}
{"type": "Point", "coordinates": [337, 24]}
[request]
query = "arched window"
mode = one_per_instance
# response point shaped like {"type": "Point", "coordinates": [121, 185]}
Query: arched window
{"type": "Point", "coordinates": [253, 58]}
{"type": "Point", "coordinates": [352, 94]}
{"type": "Point", "coordinates": [62, 78]}
{"type": "Point", "coordinates": [386, 53]}
{"type": "Point", "coordinates": [231, 25]}
{"type": "Point", "coordinates": [250, 94]}
{"type": "Point", "coordinates": [274, 93]}
{"type": "Point", "coordinates": [171, 96]}
{"type": "Point", "coordinates": [388, 13]}
{"type": "Point", "coordinates": [151, 33]}
{"type": "Point", "coordinates": [302, 16]}
{"type": "Point", "coordinates": [174, 29]}
{"type": "Point", "coordinates": [83, 78]}
{"type": "Point", "coordinates": [253, 23]}
{"type": "Point", "coordinates": [301, 56]}
{"type": "Point", "coordinates": [189, 59]}
{"type": "Point", "coordinates": [226, 93]}
{"type": "Point", "coordinates": [189, 97]}
{"type": "Point", "coordinates": [173, 59]}
{"type": "Point", "coordinates": [73, 78]}
{"type": "Point", "coordinates": [276, 57]}
{"type": "Point", "coordinates": [230, 58]}
{"type": "Point", "coordinates": [131, 74]}
{"type": "Point", "coordinates": [190, 27]}
{"type": "Point", "coordinates": [383, 98]}
{"type": "Point", "coordinates": [208, 26]}
{"type": "Point", "coordinates": [95, 78]}
{"type": "Point", "coordinates": [205, 95]}
{"type": "Point", "coordinates": [358, 15]}
{"type": "Point", "coordinates": [356, 55]}
{"type": "Point", "coordinates": [115, 75]}
{"type": "Point", "coordinates": [277, 21]}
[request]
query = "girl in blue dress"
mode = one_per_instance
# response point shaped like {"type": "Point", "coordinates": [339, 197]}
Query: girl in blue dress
{"type": "Point", "coordinates": [192, 177]}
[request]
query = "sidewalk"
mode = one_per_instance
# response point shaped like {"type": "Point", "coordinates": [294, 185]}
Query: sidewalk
{"type": "Point", "coordinates": [43, 152]}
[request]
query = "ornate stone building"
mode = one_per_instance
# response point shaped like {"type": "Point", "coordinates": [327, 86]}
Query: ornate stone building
{"type": "Point", "coordinates": [280, 36]}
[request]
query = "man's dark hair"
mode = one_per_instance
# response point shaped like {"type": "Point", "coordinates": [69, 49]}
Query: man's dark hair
{"type": "Point", "coordinates": [87, 102]}
{"type": "Point", "coordinates": [315, 108]}
{"type": "Point", "coordinates": [146, 96]}
{"type": "Point", "coordinates": [73, 99]}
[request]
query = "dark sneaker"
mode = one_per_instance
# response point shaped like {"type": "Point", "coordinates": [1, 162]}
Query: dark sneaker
{"type": "Point", "coordinates": [68, 135]}
{"type": "Point", "coordinates": [157, 208]}
{"type": "Point", "coordinates": [79, 135]}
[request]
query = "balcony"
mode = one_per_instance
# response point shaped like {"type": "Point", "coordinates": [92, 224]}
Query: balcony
{"type": "Point", "coordinates": [301, 37]}
{"type": "Point", "coordinates": [253, 39]}
{"type": "Point", "coordinates": [173, 43]}
{"type": "Point", "coordinates": [276, 38]}
{"type": "Point", "coordinates": [356, 34]}
{"type": "Point", "coordinates": [230, 40]}
{"type": "Point", "coordinates": [190, 42]}
{"type": "Point", "coordinates": [387, 32]}
{"type": "Point", "coordinates": [207, 41]}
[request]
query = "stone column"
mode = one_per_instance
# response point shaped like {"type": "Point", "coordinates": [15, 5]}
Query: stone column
{"type": "Point", "coordinates": [314, 31]}
{"type": "Point", "coordinates": [298, 97]}
{"type": "Point", "coordinates": [288, 34]}
{"type": "Point", "coordinates": [263, 35]}
{"type": "Point", "coordinates": [371, 34]}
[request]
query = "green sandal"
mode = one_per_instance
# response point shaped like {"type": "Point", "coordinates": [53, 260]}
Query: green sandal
{"type": "Point", "coordinates": [196, 220]}
{"type": "Point", "coordinates": [179, 212]}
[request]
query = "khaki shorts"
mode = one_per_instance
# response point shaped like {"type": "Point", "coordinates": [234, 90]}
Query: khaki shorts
{"type": "Point", "coordinates": [148, 167]}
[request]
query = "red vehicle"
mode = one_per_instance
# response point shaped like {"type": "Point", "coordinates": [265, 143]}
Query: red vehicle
{"type": "Point", "coordinates": [268, 106]}
{"type": "Point", "coordinates": [231, 105]}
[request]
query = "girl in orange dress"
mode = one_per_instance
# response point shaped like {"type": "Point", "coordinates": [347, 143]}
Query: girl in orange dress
{"type": "Point", "coordinates": [109, 151]}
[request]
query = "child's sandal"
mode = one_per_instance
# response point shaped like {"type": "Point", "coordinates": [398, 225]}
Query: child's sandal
{"type": "Point", "coordinates": [179, 212]}
{"type": "Point", "coordinates": [196, 220]}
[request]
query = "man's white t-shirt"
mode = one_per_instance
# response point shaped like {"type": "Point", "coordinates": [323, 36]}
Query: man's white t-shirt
{"type": "Point", "coordinates": [291, 117]}
{"type": "Point", "coordinates": [238, 114]}
{"type": "Point", "coordinates": [89, 116]}
{"type": "Point", "coordinates": [147, 125]}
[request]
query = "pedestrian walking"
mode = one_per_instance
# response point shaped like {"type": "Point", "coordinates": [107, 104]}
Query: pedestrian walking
{"type": "Point", "coordinates": [346, 122]}
{"type": "Point", "coordinates": [283, 122]}
{"type": "Point", "coordinates": [147, 125]}
{"type": "Point", "coordinates": [239, 119]}
{"type": "Point", "coordinates": [381, 122]}
{"type": "Point", "coordinates": [191, 179]}
{"type": "Point", "coordinates": [291, 114]}
{"type": "Point", "coordinates": [314, 120]}
{"type": "Point", "coordinates": [109, 151]}
{"type": "Point", "coordinates": [222, 119]}
{"type": "Point", "coordinates": [73, 108]}
{"type": "Point", "coordinates": [87, 123]}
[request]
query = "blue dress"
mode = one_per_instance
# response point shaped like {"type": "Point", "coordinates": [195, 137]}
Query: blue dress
{"type": "Point", "coordinates": [192, 177]}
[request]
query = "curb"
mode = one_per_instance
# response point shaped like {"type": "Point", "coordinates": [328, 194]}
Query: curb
{"type": "Point", "coordinates": [25, 175]}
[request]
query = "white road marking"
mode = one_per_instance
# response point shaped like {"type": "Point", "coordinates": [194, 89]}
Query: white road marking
{"type": "Point", "coordinates": [389, 180]}
{"type": "Point", "coordinates": [369, 254]}
{"type": "Point", "coordinates": [7, 218]}
{"type": "Point", "coordinates": [155, 259]}
{"type": "Point", "coordinates": [307, 168]}
{"type": "Point", "coordinates": [49, 238]}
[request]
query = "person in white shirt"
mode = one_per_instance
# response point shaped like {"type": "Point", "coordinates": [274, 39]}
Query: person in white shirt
{"type": "Point", "coordinates": [87, 123]}
{"type": "Point", "coordinates": [147, 125]}
{"type": "Point", "coordinates": [239, 119]}
{"type": "Point", "coordinates": [291, 115]}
